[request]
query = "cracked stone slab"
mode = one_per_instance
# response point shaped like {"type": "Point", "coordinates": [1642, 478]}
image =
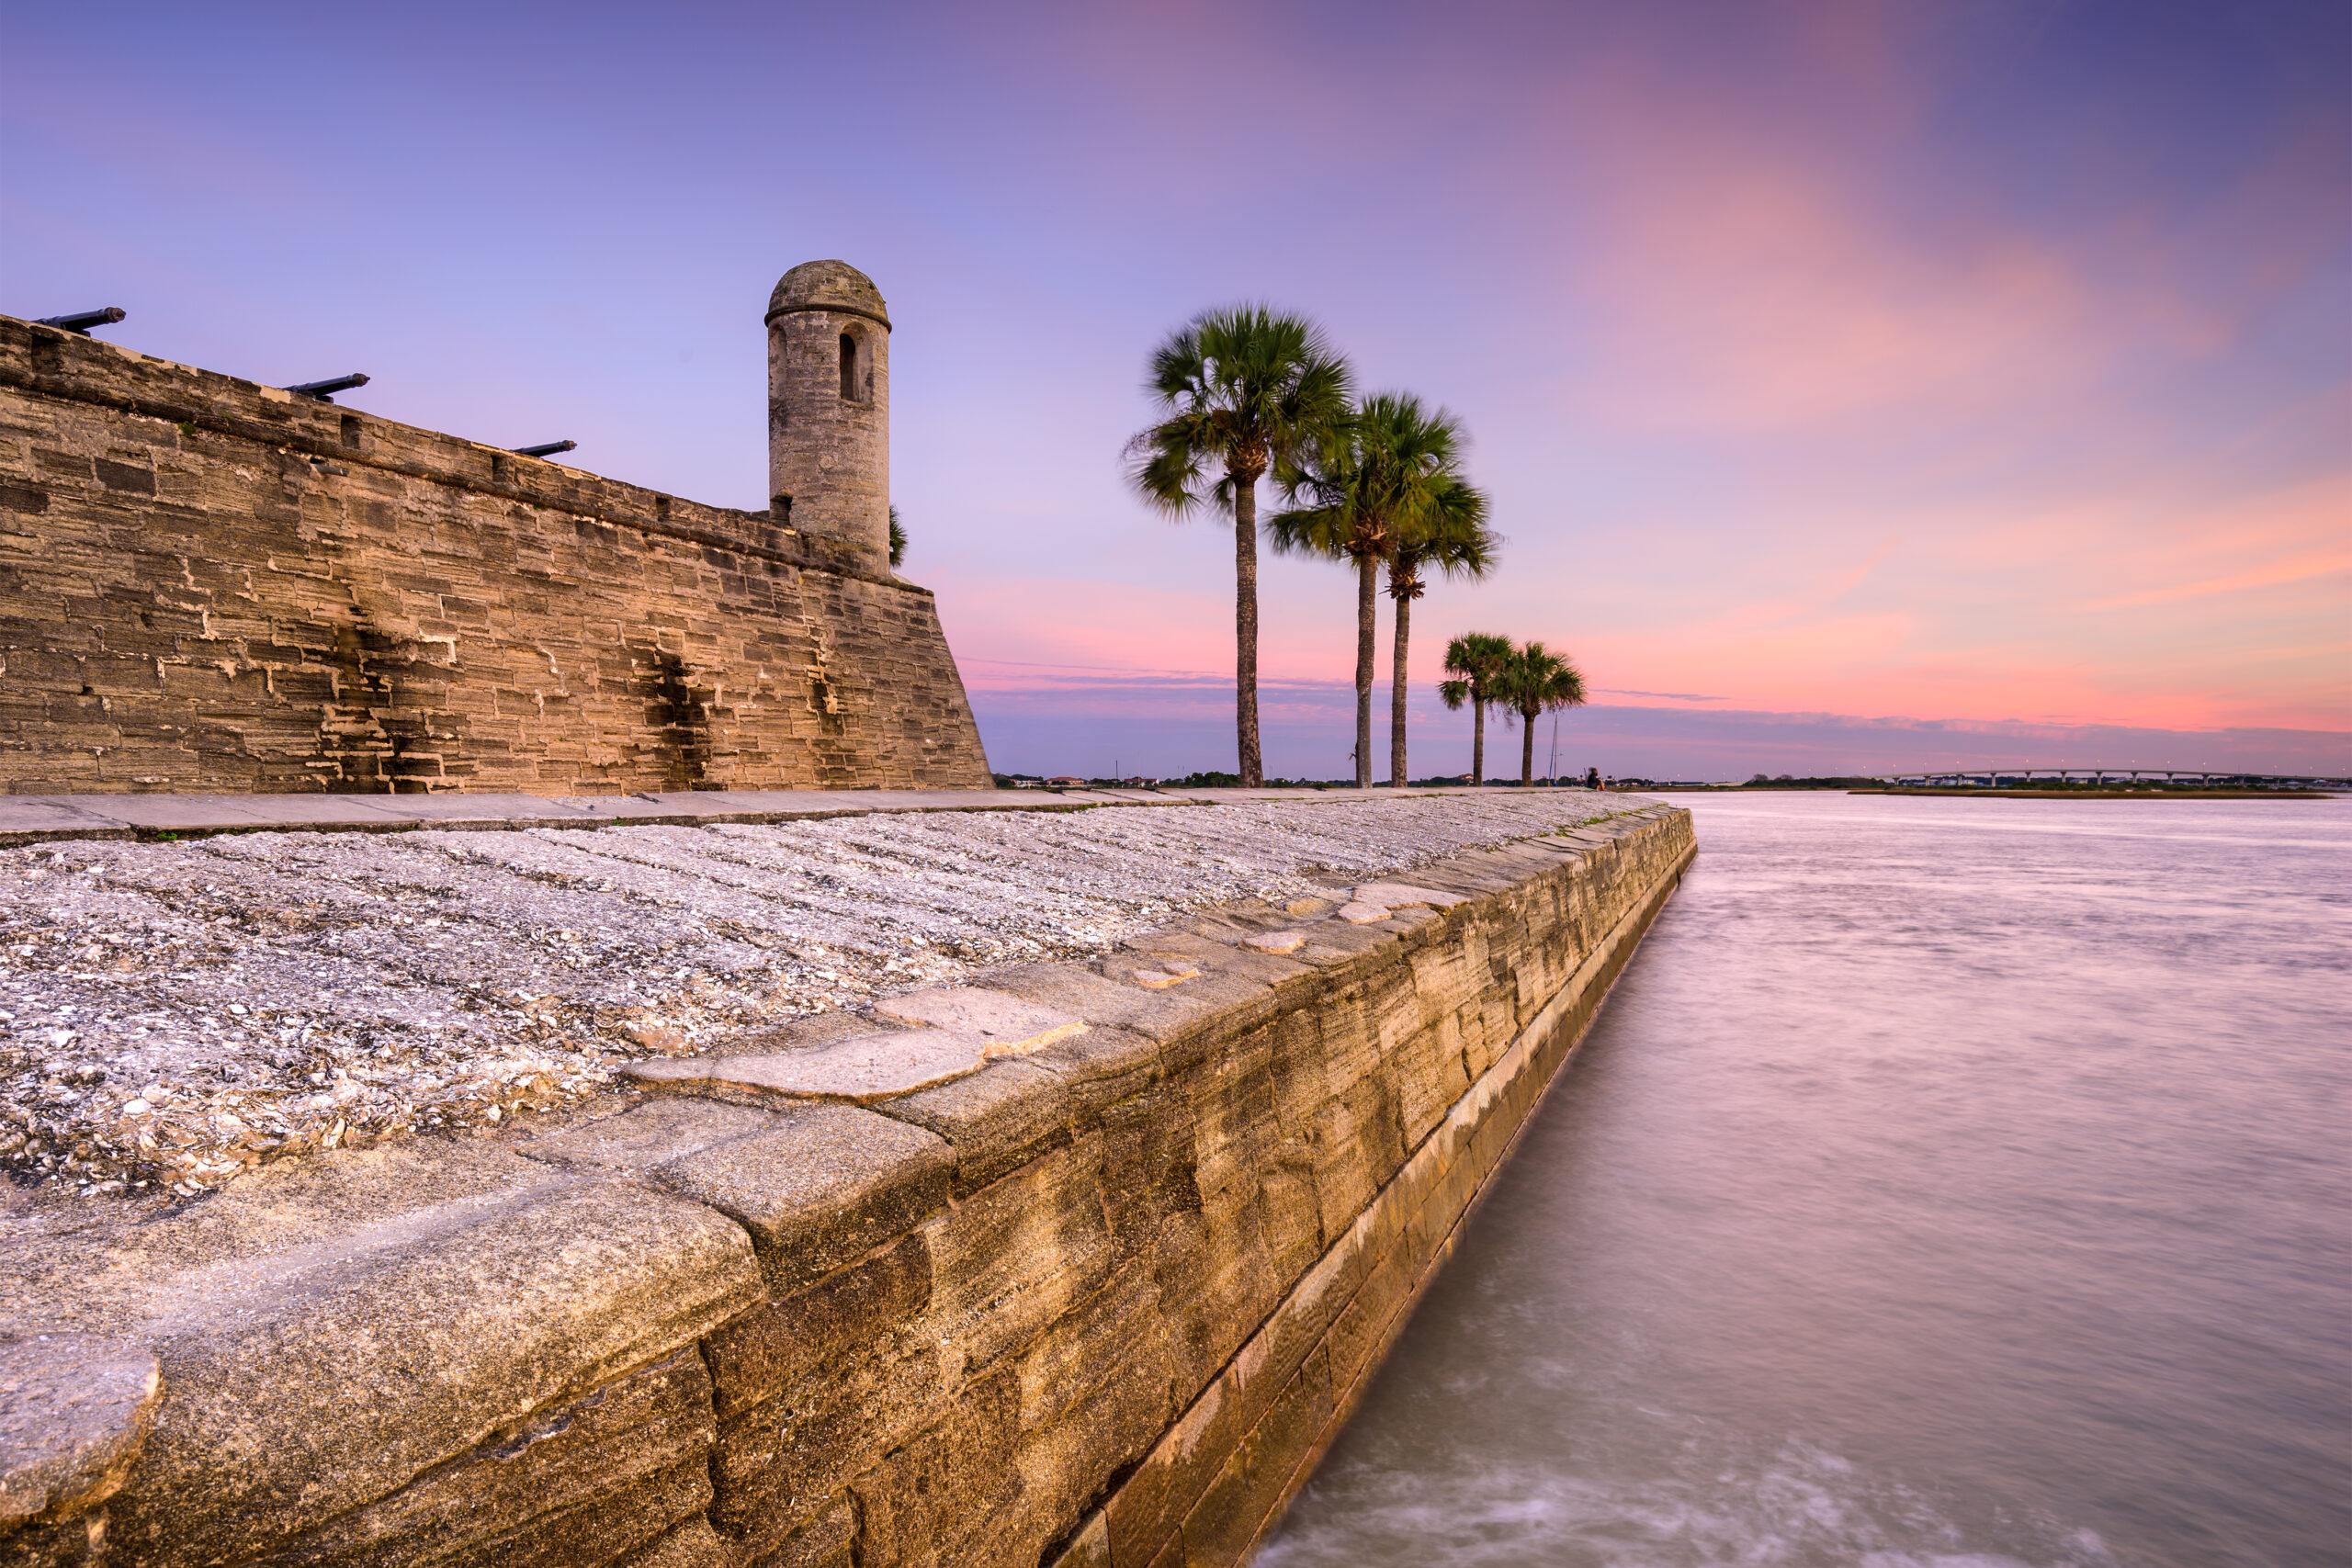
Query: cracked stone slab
{"type": "Point", "coordinates": [73, 1410]}
{"type": "Point", "coordinates": [1006, 1025]}
{"type": "Point", "coordinates": [1359, 913]}
{"type": "Point", "coordinates": [1275, 941]}
{"type": "Point", "coordinates": [1161, 979]}
{"type": "Point", "coordinates": [862, 1069]}
{"type": "Point", "coordinates": [1404, 896]}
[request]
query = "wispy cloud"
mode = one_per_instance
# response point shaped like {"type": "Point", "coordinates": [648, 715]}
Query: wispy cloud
{"type": "Point", "coordinates": [1657, 696]}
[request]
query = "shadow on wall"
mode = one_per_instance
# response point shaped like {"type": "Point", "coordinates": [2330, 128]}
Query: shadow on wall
{"type": "Point", "coordinates": [679, 715]}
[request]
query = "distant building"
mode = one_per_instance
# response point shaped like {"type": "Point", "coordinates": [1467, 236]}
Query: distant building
{"type": "Point", "coordinates": [1066, 780]}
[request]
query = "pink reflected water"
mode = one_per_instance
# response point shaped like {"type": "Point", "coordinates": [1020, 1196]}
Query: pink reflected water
{"type": "Point", "coordinates": [1947, 1182]}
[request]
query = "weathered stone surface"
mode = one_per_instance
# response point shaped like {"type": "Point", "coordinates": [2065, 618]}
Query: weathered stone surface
{"type": "Point", "coordinates": [79, 1542]}
{"type": "Point", "coordinates": [330, 1333]}
{"type": "Point", "coordinates": [1007, 1025]}
{"type": "Point", "coordinates": [1405, 895]}
{"type": "Point", "coordinates": [1356, 912]}
{"type": "Point", "coordinates": [1089, 1548]}
{"type": "Point", "coordinates": [995, 1120]}
{"type": "Point", "coordinates": [818, 1330]}
{"type": "Point", "coordinates": [642, 1138]}
{"type": "Point", "coordinates": [1106, 1003]}
{"type": "Point", "coordinates": [948, 1497]}
{"type": "Point", "coordinates": [829, 1541]}
{"type": "Point", "coordinates": [597, 1478]}
{"type": "Point", "coordinates": [1015, 1255]}
{"type": "Point", "coordinates": [693, 1544]}
{"type": "Point", "coordinates": [817, 1186]}
{"type": "Point", "coordinates": [73, 1410]}
{"type": "Point", "coordinates": [1275, 941]}
{"type": "Point", "coordinates": [1161, 979]}
{"type": "Point", "coordinates": [1224, 1524]}
{"type": "Point", "coordinates": [863, 1068]}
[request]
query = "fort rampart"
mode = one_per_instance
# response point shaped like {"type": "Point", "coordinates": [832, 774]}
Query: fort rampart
{"type": "Point", "coordinates": [211, 585]}
{"type": "Point", "coordinates": [1100, 1301]}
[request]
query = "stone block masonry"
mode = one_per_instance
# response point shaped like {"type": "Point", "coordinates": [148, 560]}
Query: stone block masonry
{"type": "Point", "coordinates": [206, 584]}
{"type": "Point", "coordinates": [1097, 1294]}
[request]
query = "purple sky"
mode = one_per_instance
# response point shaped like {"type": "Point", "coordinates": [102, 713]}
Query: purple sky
{"type": "Point", "coordinates": [1857, 386]}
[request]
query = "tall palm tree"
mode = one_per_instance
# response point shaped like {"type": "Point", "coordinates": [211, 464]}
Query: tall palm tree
{"type": "Point", "coordinates": [1475, 661]}
{"type": "Point", "coordinates": [1535, 681]}
{"type": "Point", "coordinates": [1451, 538]}
{"type": "Point", "coordinates": [1387, 471]}
{"type": "Point", "coordinates": [1240, 391]}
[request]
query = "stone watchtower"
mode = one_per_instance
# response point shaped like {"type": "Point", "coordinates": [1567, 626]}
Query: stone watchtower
{"type": "Point", "coordinates": [829, 408]}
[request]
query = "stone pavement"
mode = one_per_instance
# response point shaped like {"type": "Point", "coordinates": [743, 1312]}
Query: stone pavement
{"type": "Point", "coordinates": [179, 1005]}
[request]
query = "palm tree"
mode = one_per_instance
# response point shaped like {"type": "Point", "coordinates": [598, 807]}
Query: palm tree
{"type": "Point", "coordinates": [1451, 538]}
{"type": "Point", "coordinates": [1534, 681]}
{"type": "Point", "coordinates": [1240, 391]}
{"type": "Point", "coordinates": [1475, 659]}
{"type": "Point", "coordinates": [898, 541]}
{"type": "Point", "coordinates": [1387, 472]}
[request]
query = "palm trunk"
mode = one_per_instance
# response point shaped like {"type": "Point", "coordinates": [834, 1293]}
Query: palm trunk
{"type": "Point", "coordinates": [1477, 741]}
{"type": "Point", "coordinates": [1527, 750]}
{"type": "Point", "coordinates": [1367, 584]}
{"type": "Point", "coordinates": [1397, 667]}
{"type": "Point", "coordinates": [1245, 631]}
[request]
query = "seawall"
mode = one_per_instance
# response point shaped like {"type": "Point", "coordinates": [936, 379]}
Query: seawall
{"type": "Point", "coordinates": [1082, 1266]}
{"type": "Point", "coordinates": [208, 584]}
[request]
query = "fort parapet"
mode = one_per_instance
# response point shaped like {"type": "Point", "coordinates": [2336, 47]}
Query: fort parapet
{"type": "Point", "coordinates": [1080, 1266]}
{"type": "Point", "coordinates": [209, 585]}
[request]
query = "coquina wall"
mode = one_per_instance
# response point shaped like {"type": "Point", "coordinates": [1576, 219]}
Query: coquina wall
{"type": "Point", "coordinates": [206, 584]}
{"type": "Point", "coordinates": [1101, 1301]}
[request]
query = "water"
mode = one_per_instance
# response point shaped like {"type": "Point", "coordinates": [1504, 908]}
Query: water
{"type": "Point", "coordinates": [1947, 1182]}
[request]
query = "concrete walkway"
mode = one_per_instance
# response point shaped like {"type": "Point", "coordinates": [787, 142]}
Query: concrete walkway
{"type": "Point", "coordinates": [34, 818]}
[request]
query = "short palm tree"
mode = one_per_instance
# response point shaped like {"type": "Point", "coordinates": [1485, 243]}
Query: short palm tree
{"type": "Point", "coordinates": [1390, 469]}
{"type": "Point", "coordinates": [1452, 539]}
{"type": "Point", "coordinates": [1475, 661]}
{"type": "Point", "coordinates": [1239, 391]}
{"type": "Point", "coordinates": [1535, 681]}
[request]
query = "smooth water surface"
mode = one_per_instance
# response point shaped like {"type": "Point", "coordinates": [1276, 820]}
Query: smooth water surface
{"type": "Point", "coordinates": [1946, 1181]}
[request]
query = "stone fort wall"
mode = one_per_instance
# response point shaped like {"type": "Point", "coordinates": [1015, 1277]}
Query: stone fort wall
{"type": "Point", "coordinates": [1099, 1305]}
{"type": "Point", "coordinates": [208, 584]}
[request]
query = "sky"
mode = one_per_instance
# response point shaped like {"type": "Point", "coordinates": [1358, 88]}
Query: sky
{"type": "Point", "coordinates": [1856, 387]}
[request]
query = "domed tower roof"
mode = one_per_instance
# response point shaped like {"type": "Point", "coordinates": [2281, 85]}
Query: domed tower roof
{"type": "Point", "coordinates": [828, 285]}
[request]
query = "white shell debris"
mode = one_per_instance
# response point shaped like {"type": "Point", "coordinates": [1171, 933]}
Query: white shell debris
{"type": "Point", "coordinates": [174, 1013]}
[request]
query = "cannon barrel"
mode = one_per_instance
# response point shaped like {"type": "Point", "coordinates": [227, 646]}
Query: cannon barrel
{"type": "Point", "coordinates": [324, 391]}
{"type": "Point", "coordinates": [82, 321]}
{"type": "Point", "coordinates": [546, 449]}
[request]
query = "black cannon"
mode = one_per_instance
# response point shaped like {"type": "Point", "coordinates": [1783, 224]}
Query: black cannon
{"type": "Point", "coordinates": [547, 450]}
{"type": "Point", "coordinates": [82, 321]}
{"type": "Point", "coordinates": [324, 391]}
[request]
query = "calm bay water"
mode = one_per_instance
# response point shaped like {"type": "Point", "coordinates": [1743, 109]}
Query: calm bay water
{"type": "Point", "coordinates": [1955, 1182]}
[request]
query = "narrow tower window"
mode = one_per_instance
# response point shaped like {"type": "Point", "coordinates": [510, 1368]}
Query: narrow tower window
{"type": "Point", "coordinates": [856, 385]}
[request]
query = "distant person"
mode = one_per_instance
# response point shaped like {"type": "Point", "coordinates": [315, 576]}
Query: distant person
{"type": "Point", "coordinates": [1592, 779]}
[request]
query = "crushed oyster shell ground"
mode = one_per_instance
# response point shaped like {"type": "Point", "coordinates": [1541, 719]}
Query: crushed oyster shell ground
{"type": "Point", "coordinates": [172, 1014]}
